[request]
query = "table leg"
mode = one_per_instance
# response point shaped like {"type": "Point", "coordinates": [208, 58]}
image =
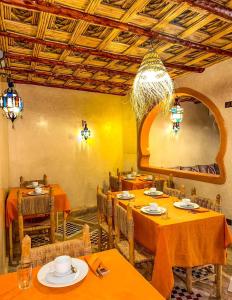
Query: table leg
{"type": "Point", "coordinates": [189, 282]}
{"type": "Point", "coordinates": [11, 243]}
{"type": "Point", "coordinates": [218, 271]}
{"type": "Point", "coordinates": [64, 224]}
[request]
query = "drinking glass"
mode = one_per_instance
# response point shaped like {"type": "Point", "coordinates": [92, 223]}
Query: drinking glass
{"type": "Point", "coordinates": [165, 215]}
{"type": "Point", "coordinates": [24, 275]}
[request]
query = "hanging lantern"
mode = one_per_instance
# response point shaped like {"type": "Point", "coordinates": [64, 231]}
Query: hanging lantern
{"type": "Point", "coordinates": [152, 85]}
{"type": "Point", "coordinates": [11, 103]}
{"type": "Point", "coordinates": [176, 115]}
{"type": "Point", "coordinates": [85, 132]}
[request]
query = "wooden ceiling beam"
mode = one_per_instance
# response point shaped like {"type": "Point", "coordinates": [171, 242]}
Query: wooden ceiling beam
{"type": "Point", "coordinates": [59, 10]}
{"type": "Point", "coordinates": [89, 68]}
{"type": "Point", "coordinates": [73, 66]}
{"type": "Point", "coordinates": [210, 6]}
{"type": "Point", "coordinates": [65, 87]}
{"type": "Point", "coordinates": [68, 77]}
{"type": "Point", "coordinates": [100, 53]}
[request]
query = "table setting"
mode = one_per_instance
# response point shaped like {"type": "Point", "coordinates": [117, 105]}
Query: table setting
{"type": "Point", "coordinates": [38, 189]}
{"type": "Point", "coordinates": [125, 195]}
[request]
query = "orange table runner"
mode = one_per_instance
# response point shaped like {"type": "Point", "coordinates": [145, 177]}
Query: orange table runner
{"type": "Point", "coordinates": [123, 282]}
{"type": "Point", "coordinates": [61, 202]}
{"type": "Point", "coordinates": [184, 239]}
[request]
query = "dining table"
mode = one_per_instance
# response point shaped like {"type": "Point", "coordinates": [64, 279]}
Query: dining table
{"type": "Point", "coordinates": [61, 204]}
{"type": "Point", "coordinates": [180, 238]}
{"type": "Point", "coordinates": [122, 282]}
{"type": "Point", "coordinates": [139, 181]}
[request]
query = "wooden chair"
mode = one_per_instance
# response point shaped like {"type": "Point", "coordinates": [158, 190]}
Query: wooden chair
{"type": "Point", "coordinates": [115, 183]}
{"type": "Point", "coordinates": [44, 254]}
{"type": "Point", "coordinates": [170, 182]}
{"type": "Point", "coordinates": [105, 215]}
{"type": "Point", "coordinates": [124, 237]}
{"type": "Point", "coordinates": [30, 207]}
{"type": "Point", "coordinates": [159, 184]}
{"type": "Point", "coordinates": [213, 204]}
{"type": "Point", "coordinates": [125, 172]}
{"type": "Point", "coordinates": [178, 193]}
{"type": "Point", "coordinates": [24, 183]}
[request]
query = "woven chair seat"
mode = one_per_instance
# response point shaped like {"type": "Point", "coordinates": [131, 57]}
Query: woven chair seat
{"type": "Point", "coordinates": [140, 253]}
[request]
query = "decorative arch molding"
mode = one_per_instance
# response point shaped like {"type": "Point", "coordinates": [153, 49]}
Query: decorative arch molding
{"type": "Point", "coordinates": [144, 155]}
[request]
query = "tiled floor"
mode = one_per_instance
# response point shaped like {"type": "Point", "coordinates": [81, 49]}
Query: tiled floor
{"type": "Point", "coordinates": [202, 291]}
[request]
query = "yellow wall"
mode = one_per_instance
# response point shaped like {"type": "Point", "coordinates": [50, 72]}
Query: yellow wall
{"type": "Point", "coordinates": [46, 140]}
{"type": "Point", "coordinates": [3, 186]}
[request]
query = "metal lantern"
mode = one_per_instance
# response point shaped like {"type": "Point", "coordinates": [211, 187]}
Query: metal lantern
{"type": "Point", "coordinates": [177, 113]}
{"type": "Point", "coordinates": [11, 103]}
{"type": "Point", "coordinates": [152, 86]}
{"type": "Point", "coordinates": [85, 132]}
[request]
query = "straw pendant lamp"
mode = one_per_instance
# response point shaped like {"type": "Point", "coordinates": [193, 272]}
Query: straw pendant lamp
{"type": "Point", "coordinates": [152, 86]}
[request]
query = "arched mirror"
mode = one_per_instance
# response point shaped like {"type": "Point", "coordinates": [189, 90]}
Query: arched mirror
{"type": "Point", "coordinates": [195, 150]}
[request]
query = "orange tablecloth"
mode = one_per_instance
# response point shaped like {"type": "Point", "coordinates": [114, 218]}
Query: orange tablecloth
{"type": "Point", "coordinates": [135, 184]}
{"type": "Point", "coordinates": [122, 283]}
{"type": "Point", "coordinates": [184, 239]}
{"type": "Point", "coordinates": [61, 202]}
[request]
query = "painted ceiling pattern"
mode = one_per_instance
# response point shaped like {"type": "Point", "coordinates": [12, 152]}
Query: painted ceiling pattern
{"type": "Point", "coordinates": [52, 49]}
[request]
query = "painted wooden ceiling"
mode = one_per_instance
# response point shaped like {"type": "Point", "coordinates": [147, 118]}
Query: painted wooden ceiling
{"type": "Point", "coordinates": [97, 45]}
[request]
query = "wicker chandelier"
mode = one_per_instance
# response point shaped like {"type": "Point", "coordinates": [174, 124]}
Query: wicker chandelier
{"type": "Point", "coordinates": [152, 85]}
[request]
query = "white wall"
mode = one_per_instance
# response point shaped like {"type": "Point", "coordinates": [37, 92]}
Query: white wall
{"type": "Point", "coordinates": [196, 143]}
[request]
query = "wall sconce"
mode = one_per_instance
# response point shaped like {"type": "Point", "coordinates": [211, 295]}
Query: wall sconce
{"type": "Point", "coordinates": [176, 115]}
{"type": "Point", "coordinates": [85, 132]}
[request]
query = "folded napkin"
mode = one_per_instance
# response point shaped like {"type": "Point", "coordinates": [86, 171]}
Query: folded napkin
{"type": "Point", "coordinates": [199, 210]}
{"type": "Point", "coordinates": [96, 265]}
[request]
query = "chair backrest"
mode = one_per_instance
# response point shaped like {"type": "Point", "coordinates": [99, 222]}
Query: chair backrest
{"type": "Point", "coordinates": [125, 172]}
{"type": "Point", "coordinates": [124, 224]}
{"type": "Point", "coordinates": [178, 193]}
{"type": "Point", "coordinates": [170, 182]}
{"type": "Point", "coordinates": [159, 184]}
{"type": "Point", "coordinates": [115, 183]}
{"type": "Point", "coordinates": [213, 204]}
{"type": "Point", "coordinates": [44, 254]}
{"type": "Point", "coordinates": [104, 206]}
{"type": "Point", "coordinates": [24, 183]}
{"type": "Point", "coordinates": [36, 206]}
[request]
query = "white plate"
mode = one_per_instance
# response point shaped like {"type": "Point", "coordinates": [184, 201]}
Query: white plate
{"type": "Point", "coordinates": [82, 269]}
{"type": "Point", "coordinates": [179, 204]}
{"type": "Point", "coordinates": [33, 193]}
{"type": "Point", "coordinates": [147, 210]}
{"type": "Point", "coordinates": [122, 197]}
{"type": "Point", "coordinates": [156, 193]}
{"type": "Point", "coordinates": [52, 278]}
{"type": "Point", "coordinates": [129, 178]}
{"type": "Point", "coordinates": [30, 186]}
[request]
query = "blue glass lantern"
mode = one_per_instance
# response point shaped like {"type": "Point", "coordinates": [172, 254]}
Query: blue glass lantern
{"type": "Point", "coordinates": [85, 132]}
{"type": "Point", "coordinates": [11, 103]}
{"type": "Point", "coordinates": [177, 113]}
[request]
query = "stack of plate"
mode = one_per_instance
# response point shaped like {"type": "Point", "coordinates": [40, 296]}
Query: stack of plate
{"type": "Point", "coordinates": [153, 193]}
{"type": "Point", "coordinates": [151, 211]}
{"type": "Point", "coordinates": [54, 280]}
{"type": "Point", "coordinates": [125, 197]}
{"type": "Point", "coordinates": [181, 204]}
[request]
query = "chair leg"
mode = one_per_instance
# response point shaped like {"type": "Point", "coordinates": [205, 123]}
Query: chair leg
{"type": "Point", "coordinates": [99, 238]}
{"type": "Point", "coordinates": [64, 225]}
{"type": "Point", "coordinates": [11, 243]}
{"type": "Point", "coordinates": [189, 283]}
{"type": "Point", "coordinates": [218, 280]}
{"type": "Point", "coordinates": [110, 241]}
{"type": "Point", "coordinates": [57, 221]}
